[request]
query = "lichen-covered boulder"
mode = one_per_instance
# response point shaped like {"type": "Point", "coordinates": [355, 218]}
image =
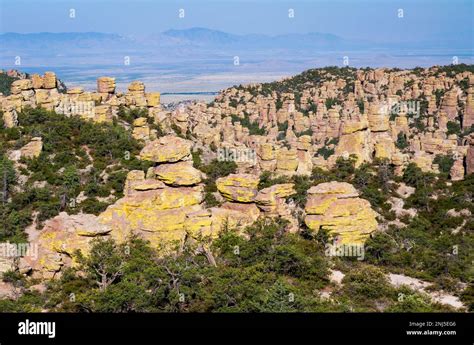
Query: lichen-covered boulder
{"type": "Point", "coordinates": [238, 187]}
{"type": "Point", "coordinates": [157, 214]}
{"type": "Point", "coordinates": [272, 198]}
{"type": "Point", "coordinates": [336, 207]}
{"type": "Point", "coordinates": [167, 149]}
{"type": "Point", "coordinates": [55, 245]}
{"type": "Point", "coordinates": [287, 161]}
{"type": "Point", "coordinates": [178, 174]}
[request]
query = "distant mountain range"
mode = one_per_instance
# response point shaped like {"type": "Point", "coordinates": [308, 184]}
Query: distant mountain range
{"type": "Point", "coordinates": [203, 38]}
{"type": "Point", "coordinates": [194, 37]}
{"type": "Point", "coordinates": [201, 59]}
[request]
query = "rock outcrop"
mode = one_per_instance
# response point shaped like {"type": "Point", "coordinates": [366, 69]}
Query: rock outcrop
{"type": "Point", "coordinates": [32, 149]}
{"type": "Point", "coordinates": [336, 207]}
{"type": "Point", "coordinates": [58, 241]}
{"type": "Point", "coordinates": [238, 187]}
{"type": "Point", "coordinates": [167, 149]}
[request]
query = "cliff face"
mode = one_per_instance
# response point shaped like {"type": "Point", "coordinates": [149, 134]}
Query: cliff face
{"type": "Point", "coordinates": [285, 128]}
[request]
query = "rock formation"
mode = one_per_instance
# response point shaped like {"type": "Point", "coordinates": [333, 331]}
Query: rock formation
{"type": "Point", "coordinates": [336, 207]}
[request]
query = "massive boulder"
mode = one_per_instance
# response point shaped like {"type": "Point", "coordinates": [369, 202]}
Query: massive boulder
{"type": "Point", "coordinates": [336, 207]}
{"type": "Point", "coordinates": [167, 149]}
{"type": "Point", "coordinates": [178, 174]}
{"type": "Point", "coordinates": [238, 187]}
{"type": "Point", "coordinates": [105, 85]}
{"type": "Point", "coordinates": [272, 199]}
{"type": "Point", "coordinates": [55, 245]}
{"type": "Point", "coordinates": [156, 212]}
{"type": "Point", "coordinates": [49, 80]}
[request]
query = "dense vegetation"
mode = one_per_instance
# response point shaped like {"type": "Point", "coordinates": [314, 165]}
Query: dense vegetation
{"type": "Point", "coordinates": [6, 83]}
{"type": "Point", "coordinates": [82, 167]}
{"type": "Point", "coordinates": [268, 271]}
{"type": "Point", "coordinates": [435, 245]}
{"type": "Point", "coordinates": [264, 269]}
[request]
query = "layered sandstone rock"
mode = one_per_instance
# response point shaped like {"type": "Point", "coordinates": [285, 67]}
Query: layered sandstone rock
{"type": "Point", "coordinates": [272, 199]}
{"type": "Point", "coordinates": [156, 214]}
{"type": "Point", "coordinates": [355, 143]}
{"type": "Point", "coordinates": [178, 174]}
{"type": "Point", "coordinates": [153, 99]}
{"type": "Point", "coordinates": [238, 187]}
{"type": "Point", "coordinates": [167, 149]}
{"type": "Point", "coordinates": [287, 161]}
{"type": "Point", "coordinates": [21, 85]}
{"type": "Point", "coordinates": [457, 170]}
{"type": "Point", "coordinates": [141, 130]}
{"type": "Point", "coordinates": [468, 118]}
{"type": "Point", "coordinates": [105, 85]}
{"type": "Point", "coordinates": [336, 207]}
{"type": "Point", "coordinates": [49, 80]}
{"type": "Point", "coordinates": [10, 118]}
{"type": "Point", "coordinates": [58, 241]}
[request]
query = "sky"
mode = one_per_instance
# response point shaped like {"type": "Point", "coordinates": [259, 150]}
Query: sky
{"type": "Point", "coordinates": [374, 20]}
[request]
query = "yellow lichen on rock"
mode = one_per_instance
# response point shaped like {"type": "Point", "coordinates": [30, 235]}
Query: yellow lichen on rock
{"type": "Point", "coordinates": [238, 187]}
{"type": "Point", "coordinates": [269, 199]}
{"type": "Point", "coordinates": [178, 174]}
{"type": "Point", "coordinates": [287, 161]}
{"type": "Point", "coordinates": [356, 143]}
{"type": "Point", "coordinates": [167, 149]}
{"type": "Point", "coordinates": [336, 207]}
{"type": "Point", "coordinates": [153, 99]}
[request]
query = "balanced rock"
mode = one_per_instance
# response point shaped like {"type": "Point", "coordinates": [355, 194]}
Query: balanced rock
{"type": "Point", "coordinates": [178, 174]}
{"type": "Point", "coordinates": [167, 149]}
{"type": "Point", "coordinates": [271, 198]}
{"type": "Point", "coordinates": [336, 207]}
{"type": "Point", "coordinates": [238, 187]}
{"type": "Point", "coordinates": [105, 85]}
{"type": "Point", "coordinates": [49, 80]}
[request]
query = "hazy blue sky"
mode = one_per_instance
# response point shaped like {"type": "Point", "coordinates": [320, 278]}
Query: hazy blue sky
{"type": "Point", "coordinates": [375, 20]}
